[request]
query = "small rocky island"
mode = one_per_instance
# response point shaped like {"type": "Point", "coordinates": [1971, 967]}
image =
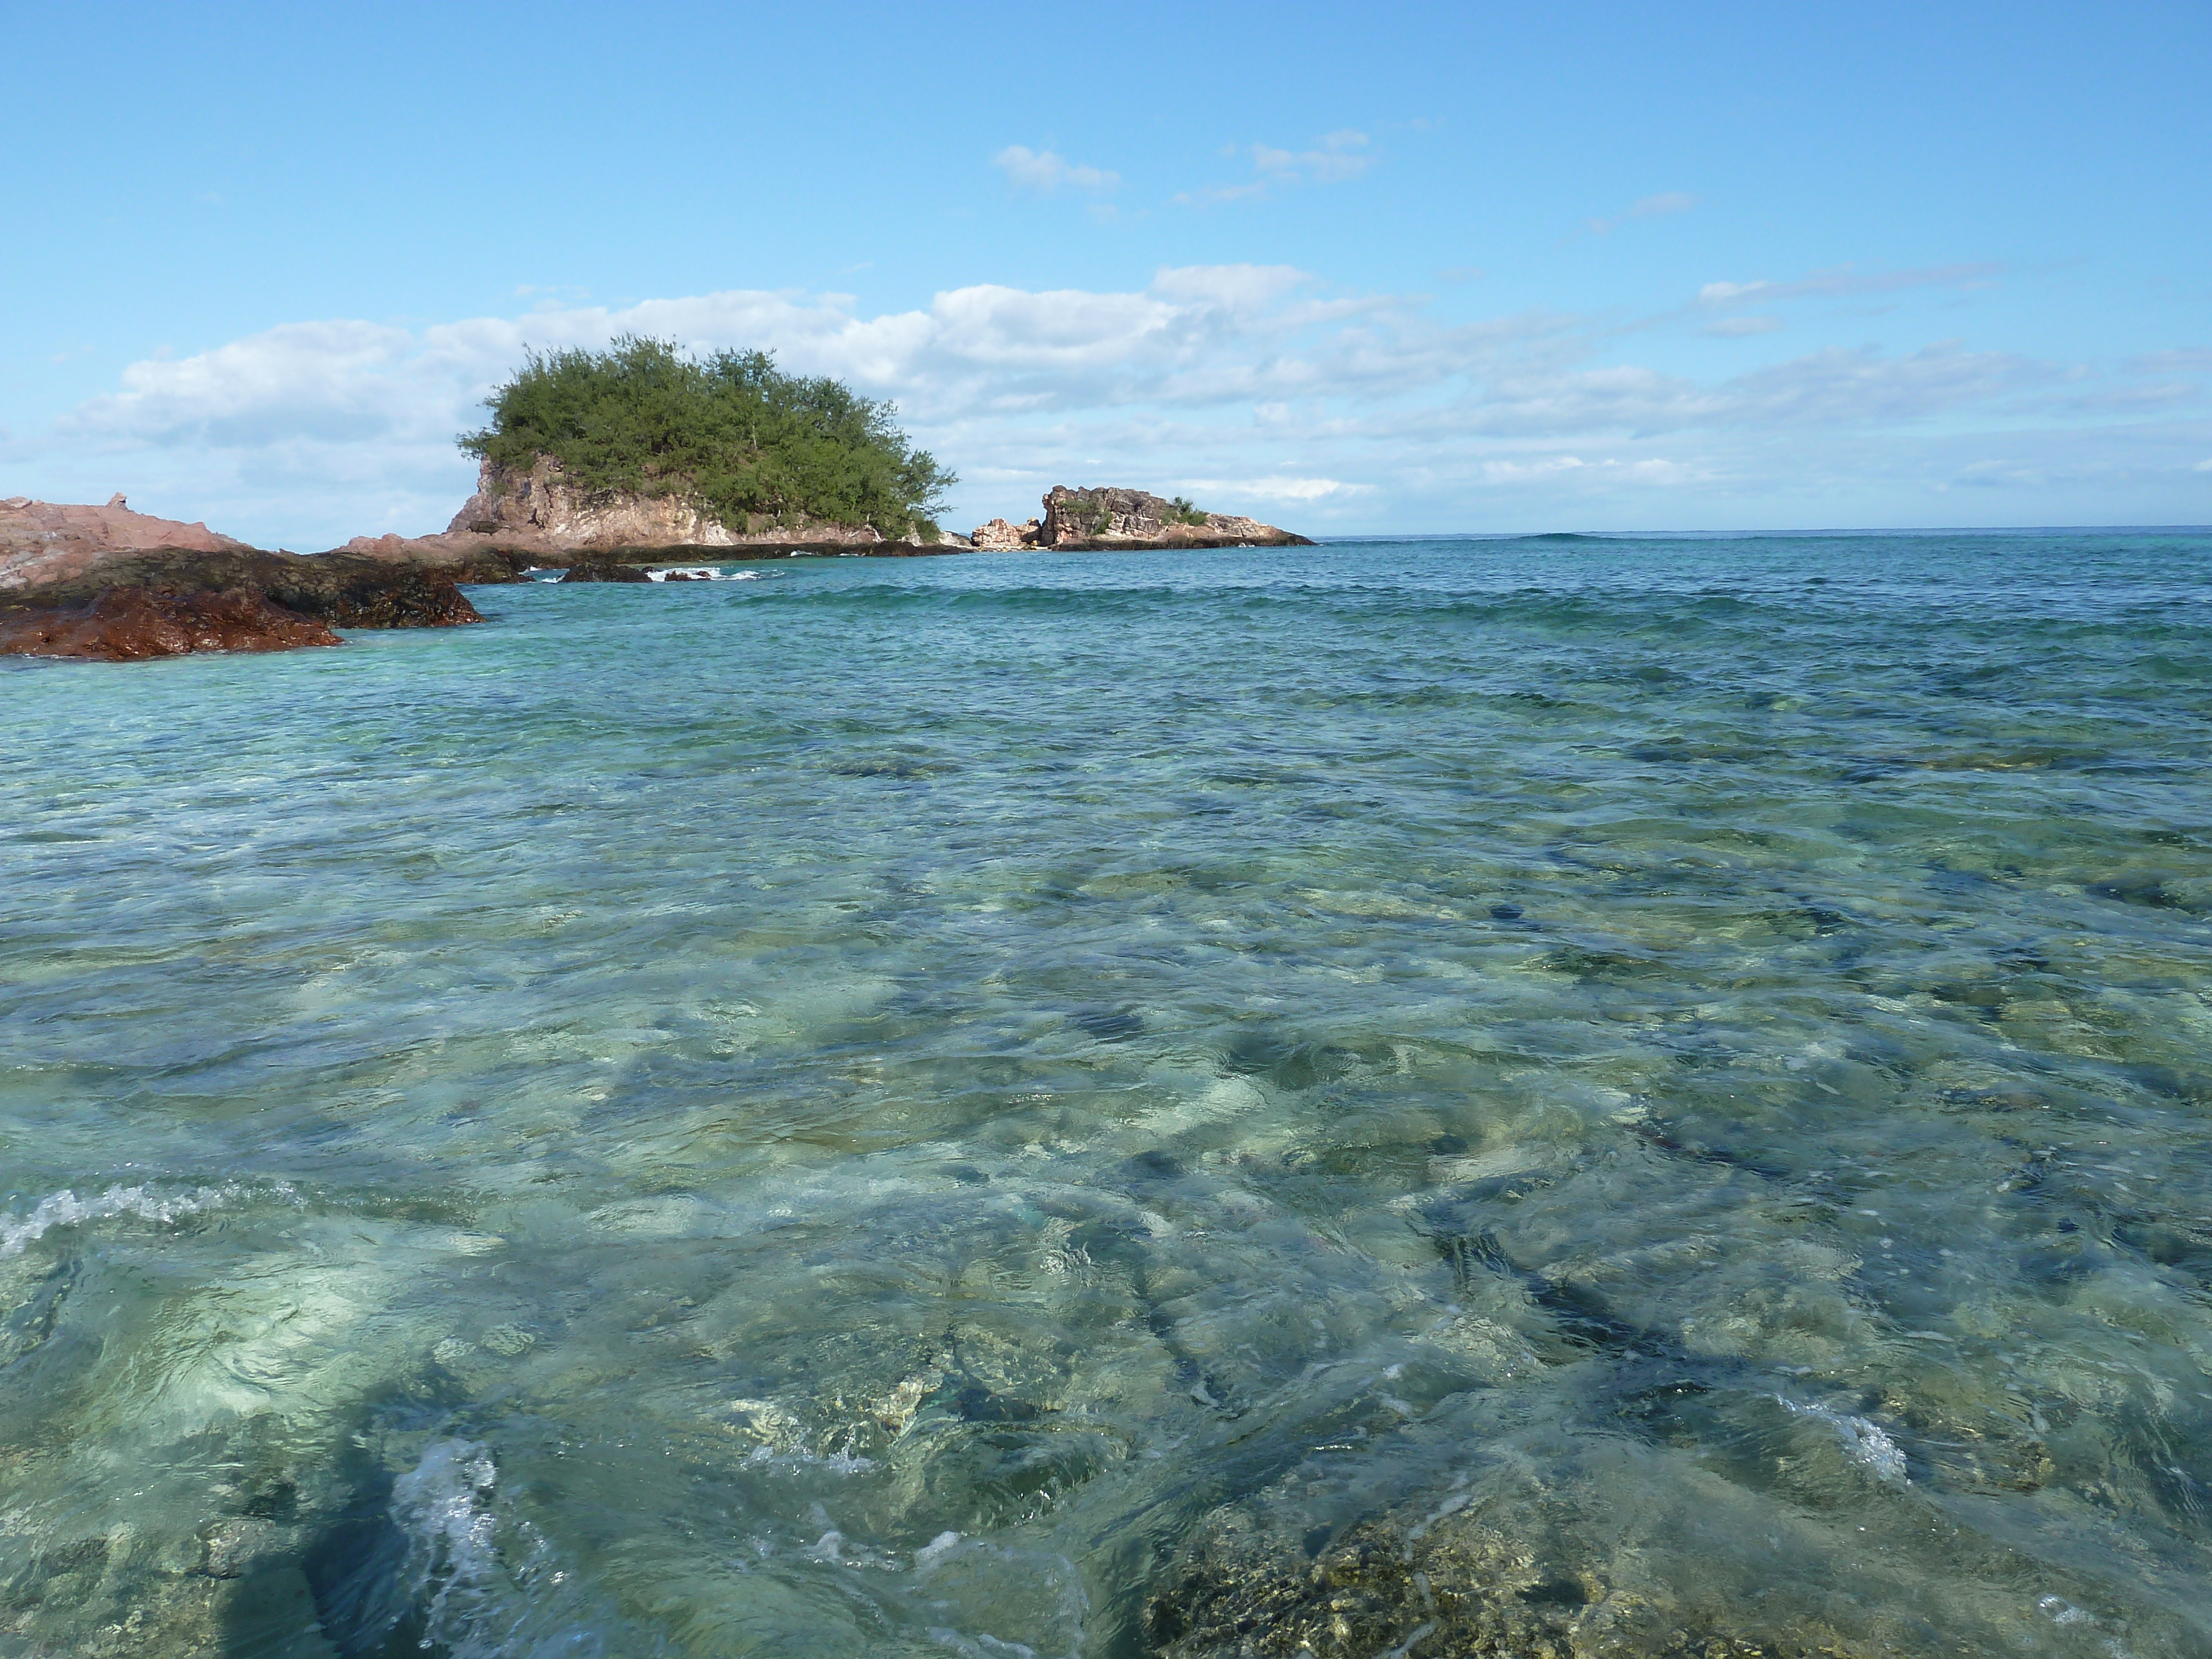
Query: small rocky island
{"type": "Point", "coordinates": [1089, 520]}
{"type": "Point", "coordinates": [597, 464]}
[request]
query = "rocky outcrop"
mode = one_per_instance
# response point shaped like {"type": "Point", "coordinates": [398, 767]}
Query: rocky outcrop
{"type": "Point", "coordinates": [464, 558]}
{"type": "Point", "coordinates": [542, 512]}
{"type": "Point", "coordinates": [605, 571]}
{"type": "Point", "coordinates": [42, 543]}
{"type": "Point", "coordinates": [1098, 518]}
{"type": "Point", "coordinates": [57, 562]}
{"type": "Point", "coordinates": [124, 624]}
{"type": "Point", "coordinates": [999, 536]}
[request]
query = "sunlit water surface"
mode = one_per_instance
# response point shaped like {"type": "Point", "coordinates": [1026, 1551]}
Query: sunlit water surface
{"type": "Point", "coordinates": [1432, 1097]}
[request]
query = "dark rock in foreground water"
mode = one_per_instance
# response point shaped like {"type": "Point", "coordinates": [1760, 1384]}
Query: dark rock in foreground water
{"type": "Point", "coordinates": [124, 624]}
{"type": "Point", "coordinates": [381, 598]}
{"type": "Point", "coordinates": [605, 570]}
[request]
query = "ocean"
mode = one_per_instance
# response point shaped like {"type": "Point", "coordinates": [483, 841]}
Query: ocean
{"type": "Point", "coordinates": [1520, 1095]}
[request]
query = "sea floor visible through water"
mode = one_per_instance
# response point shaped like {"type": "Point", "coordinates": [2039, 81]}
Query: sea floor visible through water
{"type": "Point", "coordinates": [1543, 1096]}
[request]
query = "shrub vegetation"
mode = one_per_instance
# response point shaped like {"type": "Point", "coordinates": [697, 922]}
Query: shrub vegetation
{"type": "Point", "coordinates": [745, 440]}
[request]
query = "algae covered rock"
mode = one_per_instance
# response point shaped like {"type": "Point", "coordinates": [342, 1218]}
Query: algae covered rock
{"type": "Point", "coordinates": [125, 624]}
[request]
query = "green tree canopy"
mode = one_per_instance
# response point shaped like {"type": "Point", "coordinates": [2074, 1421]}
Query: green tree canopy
{"type": "Point", "coordinates": [734, 432]}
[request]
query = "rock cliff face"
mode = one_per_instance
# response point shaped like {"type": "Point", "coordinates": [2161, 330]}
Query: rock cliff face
{"type": "Point", "coordinates": [540, 510]}
{"type": "Point", "coordinates": [1131, 518]}
{"type": "Point", "coordinates": [999, 536]}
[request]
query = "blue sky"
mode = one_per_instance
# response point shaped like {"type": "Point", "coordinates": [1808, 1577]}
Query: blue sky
{"type": "Point", "coordinates": [1399, 270]}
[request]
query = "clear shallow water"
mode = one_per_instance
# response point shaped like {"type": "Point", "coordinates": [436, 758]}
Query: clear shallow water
{"type": "Point", "coordinates": [1425, 1097]}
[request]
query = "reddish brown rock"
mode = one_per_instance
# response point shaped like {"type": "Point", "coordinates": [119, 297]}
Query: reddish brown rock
{"type": "Point", "coordinates": [125, 624]}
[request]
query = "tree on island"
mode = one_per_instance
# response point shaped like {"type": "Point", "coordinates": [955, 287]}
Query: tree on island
{"type": "Point", "coordinates": [735, 433]}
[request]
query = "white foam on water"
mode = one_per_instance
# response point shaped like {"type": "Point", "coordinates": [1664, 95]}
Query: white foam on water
{"type": "Point", "coordinates": [987, 1598]}
{"type": "Point", "coordinates": [926, 1557]}
{"type": "Point", "coordinates": [1864, 1440]}
{"type": "Point", "coordinates": [443, 1506]}
{"type": "Point", "coordinates": [790, 1462]}
{"type": "Point", "coordinates": [65, 1209]}
{"type": "Point", "coordinates": [980, 1646]}
{"type": "Point", "coordinates": [482, 1601]}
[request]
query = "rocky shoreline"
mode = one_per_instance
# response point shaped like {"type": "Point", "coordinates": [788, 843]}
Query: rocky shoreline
{"type": "Point", "coordinates": [106, 584]}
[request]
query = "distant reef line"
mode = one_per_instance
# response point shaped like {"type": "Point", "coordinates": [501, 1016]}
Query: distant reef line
{"type": "Point", "coordinates": [108, 584]}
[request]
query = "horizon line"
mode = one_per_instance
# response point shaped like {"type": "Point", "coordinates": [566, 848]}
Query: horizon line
{"type": "Point", "coordinates": [1818, 530]}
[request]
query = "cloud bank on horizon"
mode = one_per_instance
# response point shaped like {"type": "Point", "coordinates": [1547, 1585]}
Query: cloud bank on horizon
{"type": "Point", "coordinates": [1259, 388]}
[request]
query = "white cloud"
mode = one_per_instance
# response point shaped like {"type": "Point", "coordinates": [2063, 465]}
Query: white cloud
{"type": "Point", "coordinates": [1047, 171]}
{"type": "Point", "coordinates": [1340, 156]}
{"type": "Point", "coordinates": [2119, 398]}
{"type": "Point", "coordinates": [1276, 489]}
{"type": "Point", "coordinates": [1737, 328]}
{"type": "Point", "coordinates": [1337, 156]}
{"type": "Point", "coordinates": [1648, 207]}
{"type": "Point", "coordinates": [1848, 280]}
{"type": "Point", "coordinates": [2189, 359]}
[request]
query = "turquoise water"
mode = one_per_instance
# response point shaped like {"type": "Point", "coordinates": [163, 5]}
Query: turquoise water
{"type": "Point", "coordinates": [1543, 1095]}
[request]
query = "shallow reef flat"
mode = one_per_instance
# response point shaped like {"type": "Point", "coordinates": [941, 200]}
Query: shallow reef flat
{"type": "Point", "coordinates": [1488, 1097]}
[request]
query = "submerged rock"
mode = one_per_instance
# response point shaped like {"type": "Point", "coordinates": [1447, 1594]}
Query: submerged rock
{"type": "Point", "coordinates": [124, 624]}
{"type": "Point", "coordinates": [1381, 1588]}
